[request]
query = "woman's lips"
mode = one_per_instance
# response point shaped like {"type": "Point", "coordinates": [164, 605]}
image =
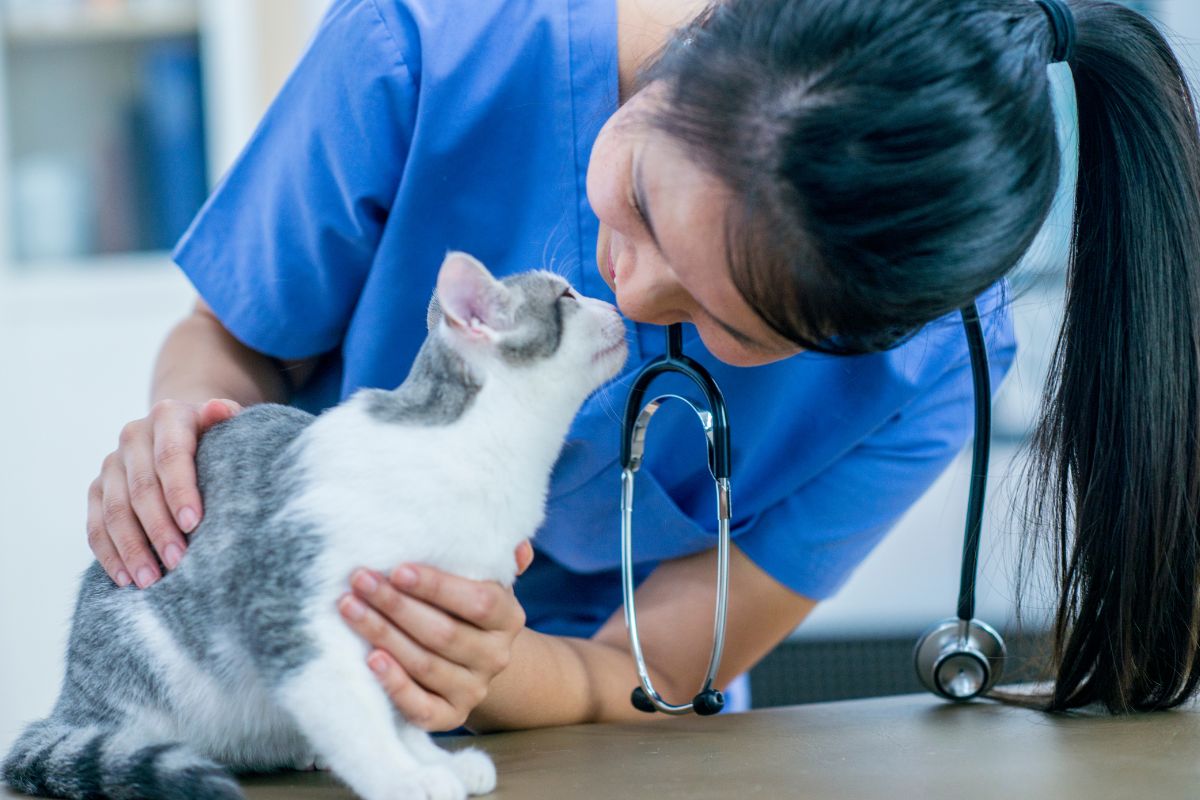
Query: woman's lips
{"type": "Point", "coordinates": [612, 269]}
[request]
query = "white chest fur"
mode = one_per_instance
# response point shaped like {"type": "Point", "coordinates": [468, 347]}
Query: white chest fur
{"type": "Point", "coordinates": [459, 497]}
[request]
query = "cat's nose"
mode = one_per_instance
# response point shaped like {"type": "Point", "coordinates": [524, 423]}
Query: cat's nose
{"type": "Point", "coordinates": [601, 305]}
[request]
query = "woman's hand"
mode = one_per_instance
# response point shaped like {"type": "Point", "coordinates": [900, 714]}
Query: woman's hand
{"type": "Point", "coordinates": [439, 639]}
{"type": "Point", "coordinates": [146, 497]}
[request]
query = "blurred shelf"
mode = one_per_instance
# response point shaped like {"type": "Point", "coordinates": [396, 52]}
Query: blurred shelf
{"type": "Point", "coordinates": [81, 25]}
{"type": "Point", "coordinates": [20, 271]}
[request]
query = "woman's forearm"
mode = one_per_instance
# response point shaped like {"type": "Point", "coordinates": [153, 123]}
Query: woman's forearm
{"type": "Point", "coordinates": [200, 361]}
{"type": "Point", "coordinates": [558, 680]}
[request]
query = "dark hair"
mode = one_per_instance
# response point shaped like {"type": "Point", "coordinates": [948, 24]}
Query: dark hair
{"type": "Point", "coordinates": [893, 159]}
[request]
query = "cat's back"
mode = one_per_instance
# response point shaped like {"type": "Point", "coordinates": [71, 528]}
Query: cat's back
{"type": "Point", "coordinates": [243, 457]}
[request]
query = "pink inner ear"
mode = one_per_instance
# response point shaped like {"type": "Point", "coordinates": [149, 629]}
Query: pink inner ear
{"type": "Point", "coordinates": [469, 295]}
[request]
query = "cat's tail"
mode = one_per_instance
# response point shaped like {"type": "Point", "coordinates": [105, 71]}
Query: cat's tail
{"type": "Point", "coordinates": [53, 759]}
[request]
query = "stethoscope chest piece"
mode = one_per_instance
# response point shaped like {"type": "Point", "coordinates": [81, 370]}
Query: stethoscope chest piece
{"type": "Point", "coordinates": [959, 659]}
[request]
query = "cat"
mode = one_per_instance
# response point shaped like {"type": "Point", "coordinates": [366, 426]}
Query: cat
{"type": "Point", "coordinates": [238, 660]}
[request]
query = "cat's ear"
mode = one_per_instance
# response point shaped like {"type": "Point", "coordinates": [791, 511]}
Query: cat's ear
{"type": "Point", "coordinates": [470, 299]}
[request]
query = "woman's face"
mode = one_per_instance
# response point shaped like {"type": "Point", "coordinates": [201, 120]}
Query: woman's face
{"type": "Point", "coordinates": [662, 238]}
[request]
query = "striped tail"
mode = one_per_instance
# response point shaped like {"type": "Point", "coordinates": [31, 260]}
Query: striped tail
{"type": "Point", "coordinates": [52, 759]}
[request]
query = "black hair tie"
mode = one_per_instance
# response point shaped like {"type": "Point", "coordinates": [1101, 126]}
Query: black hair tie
{"type": "Point", "coordinates": [1062, 24]}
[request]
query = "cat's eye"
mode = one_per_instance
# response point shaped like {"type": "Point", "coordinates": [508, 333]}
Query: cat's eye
{"type": "Point", "coordinates": [568, 292]}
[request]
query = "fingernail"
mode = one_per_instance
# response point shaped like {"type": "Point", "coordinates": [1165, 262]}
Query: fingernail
{"type": "Point", "coordinates": [404, 577]}
{"type": "Point", "coordinates": [188, 519]}
{"type": "Point", "coordinates": [353, 608]}
{"type": "Point", "coordinates": [365, 581]}
{"type": "Point", "coordinates": [378, 664]}
{"type": "Point", "coordinates": [123, 579]}
{"type": "Point", "coordinates": [146, 576]}
{"type": "Point", "coordinates": [172, 556]}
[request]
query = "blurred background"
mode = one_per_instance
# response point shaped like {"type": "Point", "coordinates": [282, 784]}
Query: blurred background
{"type": "Point", "coordinates": [118, 116]}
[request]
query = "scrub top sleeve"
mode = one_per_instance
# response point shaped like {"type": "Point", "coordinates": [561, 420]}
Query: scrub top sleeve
{"type": "Point", "coordinates": [812, 541]}
{"type": "Point", "coordinates": [283, 247]}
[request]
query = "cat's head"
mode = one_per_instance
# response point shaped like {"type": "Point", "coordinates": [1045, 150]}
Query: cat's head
{"type": "Point", "coordinates": [533, 322]}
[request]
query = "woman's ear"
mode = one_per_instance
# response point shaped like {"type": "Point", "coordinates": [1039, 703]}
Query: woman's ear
{"type": "Point", "coordinates": [471, 301]}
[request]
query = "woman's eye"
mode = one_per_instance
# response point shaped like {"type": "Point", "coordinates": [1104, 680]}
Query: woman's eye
{"type": "Point", "coordinates": [637, 210]}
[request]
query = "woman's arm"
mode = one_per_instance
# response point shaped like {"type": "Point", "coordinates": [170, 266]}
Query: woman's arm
{"type": "Point", "coordinates": [441, 655]}
{"type": "Point", "coordinates": [591, 679]}
{"type": "Point", "coordinates": [201, 360]}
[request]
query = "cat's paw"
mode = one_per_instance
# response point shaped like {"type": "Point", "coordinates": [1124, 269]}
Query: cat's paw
{"type": "Point", "coordinates": [475, 769]}
{"type": "Point", "coordinates": [433, 782]}
{"type": "Point", "coordinates": [307, 763]}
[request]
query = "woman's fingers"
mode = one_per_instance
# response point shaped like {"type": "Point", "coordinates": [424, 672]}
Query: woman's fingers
{"type": "Point", "coordinates": [432, 628]}
{"type": "Point", "coordinates": [174, 462]}
{"type": "Point", "coordinates": [445, 638]}
{"type": "Point", "coordinates": [421, 708]}
{"type": "Point", "coordinates": [485, 604]}
{"type": "Point", "coordinates": [149, 505]}
{"type": "Point", "coordinates": [147, 496]}
{"type": "Point", "coordinates": [524, 556]}
{"type": "Point", "coordinates": [122, 526]}
{"type": "Point", "coordinates": [432, 691]}
{"type": "Point", "coordinates": [98, 538]}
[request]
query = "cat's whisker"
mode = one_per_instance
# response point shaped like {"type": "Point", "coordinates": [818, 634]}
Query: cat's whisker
{"type": "Point", "coordinates": [558, 237]}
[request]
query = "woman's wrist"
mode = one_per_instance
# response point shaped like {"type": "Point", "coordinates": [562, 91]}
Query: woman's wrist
{"type": "Point", "coordinates": [541, 686]}
{"type": "Point", "coordinates": [559, 680]}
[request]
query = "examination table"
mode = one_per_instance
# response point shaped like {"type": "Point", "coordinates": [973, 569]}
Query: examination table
{"type": "Point", "coordinates": [911, 746]}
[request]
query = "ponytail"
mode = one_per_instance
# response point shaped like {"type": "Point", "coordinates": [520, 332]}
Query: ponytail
{"type": "Point", "coordinates": [1117, 452]}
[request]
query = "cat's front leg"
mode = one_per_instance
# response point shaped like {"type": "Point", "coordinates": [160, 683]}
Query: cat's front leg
{"type": "Point", "coordinates": [473, 767]}
{"type": "Point", "coordinates": [347, 717]}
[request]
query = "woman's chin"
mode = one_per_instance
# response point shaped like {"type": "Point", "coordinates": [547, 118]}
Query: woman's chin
{"type": "Point", "coordinates": [640, 312]}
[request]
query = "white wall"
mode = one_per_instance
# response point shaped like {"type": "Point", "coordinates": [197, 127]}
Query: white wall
{"type": "Point", "coordinates": [73, 369]}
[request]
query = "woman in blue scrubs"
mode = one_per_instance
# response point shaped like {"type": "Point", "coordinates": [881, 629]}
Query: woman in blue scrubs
{"type": "Point", "coordinates": [816, 186]}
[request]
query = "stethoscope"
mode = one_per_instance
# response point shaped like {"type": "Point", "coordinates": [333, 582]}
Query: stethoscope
{"type": "Point", "coordinates": [957, 658]}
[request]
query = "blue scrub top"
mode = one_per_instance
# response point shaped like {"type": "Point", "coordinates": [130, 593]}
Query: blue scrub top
{"type": "Point", "coordinates": [411, 127]}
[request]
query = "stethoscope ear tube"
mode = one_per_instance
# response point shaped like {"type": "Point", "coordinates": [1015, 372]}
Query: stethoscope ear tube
{"type": "Point", "coordinates": [714, 422]}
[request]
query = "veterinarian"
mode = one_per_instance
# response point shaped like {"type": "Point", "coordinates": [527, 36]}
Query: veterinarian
{"type": "Point", "coordinates": [816, 186]}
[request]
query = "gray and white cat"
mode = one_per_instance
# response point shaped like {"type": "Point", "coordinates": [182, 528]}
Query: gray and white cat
{"type": "Point", "coordinates": [238, 660]}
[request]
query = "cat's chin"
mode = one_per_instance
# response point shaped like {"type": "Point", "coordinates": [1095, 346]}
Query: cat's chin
{"type": "Point", "coordinates": [607, 363]}
{"type": "Point", "coordinates": [610, 354]}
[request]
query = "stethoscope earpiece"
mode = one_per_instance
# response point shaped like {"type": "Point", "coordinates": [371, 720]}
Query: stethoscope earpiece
{"type": "Point", "coordinates": [707, 703]}
{"type": "Point", "coordinates": [641, 701]}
